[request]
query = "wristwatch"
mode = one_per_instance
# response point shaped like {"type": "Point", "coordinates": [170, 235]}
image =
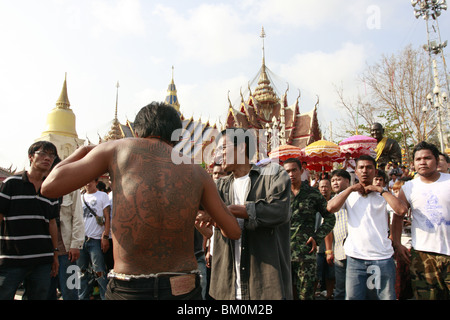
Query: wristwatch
{"type": "Point", "coordinates": [55, 249]}
{"type": "Point", "coordinates": [105, 237]}
{"type": "Point", "coordinates": [382, 191]}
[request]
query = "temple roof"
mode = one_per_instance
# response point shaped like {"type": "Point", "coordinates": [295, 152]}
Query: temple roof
{"type": "Point", "coordinates": [263, 109]}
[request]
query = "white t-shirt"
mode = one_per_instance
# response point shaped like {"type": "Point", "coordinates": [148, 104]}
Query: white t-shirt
{"type": "Point", "coordinates": [241, 187]}
{"type": "Point", "coordinates": [305, 175]}
{"type": "Point", "coordinates": [430, 212]}
{"type": "Point", "coordinates": [97, 202]}
{"type": "Point", "coordinates": [367, 227]}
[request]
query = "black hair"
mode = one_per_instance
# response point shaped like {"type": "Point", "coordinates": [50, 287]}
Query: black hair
{"type": "Point", "coordinates": [341, 173]}
{"type": "Point", "coordinates": [46, 146]}
{"type": "Point", "coordinates": [447, 158]}
{"type": "Point", "coordinates": [101, 186]}
{"type": "Point", "coordinates": [426, 146]}
{"type": "Point", "coordinates": [294, 160]}
{"type": "Point", "coordinates": [157, 119]}
{"type": "Point", "coordinates": [367, 158]}
{"type": "Point", "coordinates": [382, 174]}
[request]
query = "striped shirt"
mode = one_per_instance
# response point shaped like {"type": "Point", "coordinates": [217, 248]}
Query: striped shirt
{"type": "Point", "coordinates": [24, 233]}
{"type": "Point", "coordinates": [340, 233]}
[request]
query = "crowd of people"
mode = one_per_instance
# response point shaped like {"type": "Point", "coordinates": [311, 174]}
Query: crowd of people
{"type": "Point", "coordinates": [368, 230]}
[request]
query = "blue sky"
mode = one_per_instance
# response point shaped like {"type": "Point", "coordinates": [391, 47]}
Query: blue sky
{"type": "Point", "coordinates": [214, 46]}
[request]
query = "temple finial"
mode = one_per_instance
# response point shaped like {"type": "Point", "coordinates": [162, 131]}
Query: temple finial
{"type": "Point", "coordinates": [262, 36]}
{"type": "Point", "coordinates": [117, 100]}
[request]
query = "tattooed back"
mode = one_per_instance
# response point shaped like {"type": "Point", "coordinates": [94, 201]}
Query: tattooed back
{"type": "Point", "coordinates": [154, 206]}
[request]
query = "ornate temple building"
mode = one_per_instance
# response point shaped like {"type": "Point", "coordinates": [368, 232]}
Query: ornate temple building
{"type": "Point", "coordinates": [264, 110]}
{"type": "Point", "coordinates": [60, 126]}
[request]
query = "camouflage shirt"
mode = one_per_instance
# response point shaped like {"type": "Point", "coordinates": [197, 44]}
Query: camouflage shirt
{"type": "Point", "coordinates": [304, 207]}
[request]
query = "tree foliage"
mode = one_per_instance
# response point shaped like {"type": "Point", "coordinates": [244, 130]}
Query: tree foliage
{"type": "Point", "coordinates": [396, 93]}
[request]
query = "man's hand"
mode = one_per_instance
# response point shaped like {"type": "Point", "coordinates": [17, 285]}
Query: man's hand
{"type": "Point", "coordinates": [313, 244]}
{"type": "Point", "coordinates": [402, 253]}
{"type": "Point", "coordinates": [203, 219]}
{"type": "Point", "coordinates": [73, 254]}
{"type": "Point", "coordinates": [358, 187]}
{"type": "Point", "coordinates": [373, 188]}
{"type": "Point", "coordinates": [105, 245]}
{"type": "Point", "coordinates": [55, 265]}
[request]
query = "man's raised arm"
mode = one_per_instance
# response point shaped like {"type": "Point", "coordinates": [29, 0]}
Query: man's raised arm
{"type": "Point", "coordinates": [216, 208]}
{"type": "Point", "coordinates": [85, 164]}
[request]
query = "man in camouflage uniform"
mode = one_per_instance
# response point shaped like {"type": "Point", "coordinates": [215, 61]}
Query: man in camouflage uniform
{"type": "Point", "coordinates": [305, 203]}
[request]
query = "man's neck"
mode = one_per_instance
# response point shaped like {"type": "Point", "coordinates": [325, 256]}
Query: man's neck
{"type": "Point", "coordinates": [242, 170]}
{"type": "Point", "coordinates": [36, 176]}
{"type": "Point", "coordinates": [430, 178]}
{"type": "Point", "coordinates": [91, 191]}
{"type": "Point", "coordinates": [295, 188]}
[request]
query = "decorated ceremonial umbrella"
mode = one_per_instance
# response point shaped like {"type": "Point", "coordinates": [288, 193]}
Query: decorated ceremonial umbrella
{"type": "Point", "coordinates": [358, 145]}
{"type": "Point", "coordinates": [285, 152]}
{"type": "Point", "coordinates": [321, 154]}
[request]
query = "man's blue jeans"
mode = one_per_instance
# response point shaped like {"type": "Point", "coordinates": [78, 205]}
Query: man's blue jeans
{"type": "Point", "coordinates": [370, 279]}
{"type": "Point", "coordinates": [91, 262]}
{"type": "Point", "coordinates": [37, 278]}
{"type": "Point", "coordinates": [339, 272]}
{"type": "Point", "coordinates": [65, 280]}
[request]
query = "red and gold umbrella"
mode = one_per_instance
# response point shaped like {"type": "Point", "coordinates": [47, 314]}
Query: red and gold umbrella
{"type": "Point", "coordinates": [321, 154]}
{"type": "Point", "coordinates": [285, 152]}
{"type": "Point", "coordinates": [358, 145]}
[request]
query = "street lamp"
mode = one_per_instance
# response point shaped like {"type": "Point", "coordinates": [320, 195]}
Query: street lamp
{"type": "Point", "coordinates": [438, 99]}
{"type": "Point", "coordinates": [428, 8]}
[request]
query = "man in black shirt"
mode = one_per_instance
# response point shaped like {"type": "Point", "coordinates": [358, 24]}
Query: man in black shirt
{"type": "Point", "coordinates": [28, 230]}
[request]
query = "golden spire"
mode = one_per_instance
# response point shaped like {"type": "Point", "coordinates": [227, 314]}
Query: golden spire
{"type": "Point", "coordinates": [61, 120]}
{"type": "Point", "coordinates": [63, 100]}
{"type": "Point", "coordinates": [171, 97]}
{"type": "Point", "coordinates": [115, 132]}
{"type": "Point", "coordinates": [262, 36]}
{"type": "Point", "coordinates": [264, 91]}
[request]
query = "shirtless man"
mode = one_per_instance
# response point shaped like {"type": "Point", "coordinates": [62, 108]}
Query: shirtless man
{"type": "Point", "coordinates": [154, 209]}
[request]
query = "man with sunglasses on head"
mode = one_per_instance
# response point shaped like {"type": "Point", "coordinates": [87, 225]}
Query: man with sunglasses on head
{"type": "Point", "coordinates": [28, 231]}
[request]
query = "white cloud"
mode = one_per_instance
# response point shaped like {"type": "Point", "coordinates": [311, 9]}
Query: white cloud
{"type": "Point", "coordinates": [316, 73]}
{"type": "Point", "coordinates": [210, 100]}
{"type": "Point", "coordinates": [296, 13]}
{"type": "Point", "coordinates": [208, 33]}
{"type": "Point", "coordinates": [121, 17]}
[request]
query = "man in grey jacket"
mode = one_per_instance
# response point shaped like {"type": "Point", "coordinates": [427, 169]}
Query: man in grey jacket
{"type": "Point", "coordinates": [257, 266]}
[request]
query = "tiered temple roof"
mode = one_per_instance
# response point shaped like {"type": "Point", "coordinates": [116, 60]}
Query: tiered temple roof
{"type": "Point", "coordinates": [264, 110]}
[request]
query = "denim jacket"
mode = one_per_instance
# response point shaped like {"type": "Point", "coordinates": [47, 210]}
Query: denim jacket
{"type": "Point", "coordinates": [265, 253]}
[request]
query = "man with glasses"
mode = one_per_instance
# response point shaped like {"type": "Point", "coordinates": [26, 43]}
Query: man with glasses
{"type": "Point", "coordinates": [28, 233]}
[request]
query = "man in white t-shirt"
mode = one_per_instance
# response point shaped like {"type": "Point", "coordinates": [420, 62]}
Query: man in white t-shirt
{"type": "Point", "coordinates": [305, 174]}
{"type": "Point", "coordinates": [428, 196]}
{"type": "Point", "coordinates": [370, 265]}
{"type": "Point", "coordinates": [96, 213]}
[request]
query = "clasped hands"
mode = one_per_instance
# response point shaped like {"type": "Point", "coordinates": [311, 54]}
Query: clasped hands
{"type": "Point", "coordinates": [365, 190]}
